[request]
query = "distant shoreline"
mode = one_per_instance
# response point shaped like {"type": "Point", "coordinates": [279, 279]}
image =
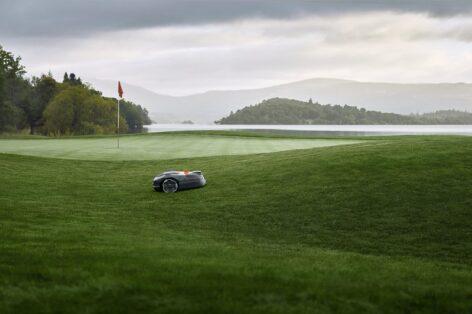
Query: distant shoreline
{"type": "Point", "coordinates": [329, 129]}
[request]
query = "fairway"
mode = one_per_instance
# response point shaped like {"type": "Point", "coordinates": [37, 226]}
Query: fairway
{"type": "Point", "coordinates": [158, 146]}
{"type": "Point", "coordinates": [377, 227]}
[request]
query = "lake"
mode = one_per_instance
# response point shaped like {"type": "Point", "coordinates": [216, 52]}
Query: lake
{"type": "Point", "coordinates": [325, 129]}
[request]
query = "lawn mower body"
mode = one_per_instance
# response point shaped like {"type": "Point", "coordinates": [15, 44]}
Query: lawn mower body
{"type": "Point", "coordinates": [173, 181]}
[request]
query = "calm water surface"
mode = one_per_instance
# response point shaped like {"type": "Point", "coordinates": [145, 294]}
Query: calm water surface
{"type": "Point", "coordinates": [325, 129]}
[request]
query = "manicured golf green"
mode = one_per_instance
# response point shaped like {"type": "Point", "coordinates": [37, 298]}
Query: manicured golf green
{"type": "Point", "coordinates": [158, 146]}
{"type": "Point", "coordinates": [381, 226]}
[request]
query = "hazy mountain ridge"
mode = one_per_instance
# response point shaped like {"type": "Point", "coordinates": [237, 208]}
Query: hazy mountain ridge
{"type": "Point", "coordinates": [294, 112]}
{"type": "Point", "coordinates": [386, 97]}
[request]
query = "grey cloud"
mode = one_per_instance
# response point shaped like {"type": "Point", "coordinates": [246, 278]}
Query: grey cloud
{"type": "Point", "coordinates": [59, 18]}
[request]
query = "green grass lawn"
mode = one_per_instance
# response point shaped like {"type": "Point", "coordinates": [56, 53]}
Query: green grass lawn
{"type": "Point", "coordinates": [159, 146]}
{"type": "Point", "coordinates": [378, 226]}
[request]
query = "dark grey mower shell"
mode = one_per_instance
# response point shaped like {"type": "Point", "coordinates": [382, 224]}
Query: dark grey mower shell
{"type": "Point", "coordinates": [185, 180]}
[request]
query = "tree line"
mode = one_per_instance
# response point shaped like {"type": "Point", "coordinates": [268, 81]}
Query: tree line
{"type": "Point", "coordinates": [290, 111]}
{"type": "Point", "coordinates": [41, 105]}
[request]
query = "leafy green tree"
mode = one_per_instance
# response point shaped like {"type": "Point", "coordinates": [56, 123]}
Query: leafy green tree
{"type": "Point", "coordinates": [136, 116]}
{"type": "Point", "coordinates": [10, 64]}
{"type": "Point", "coordinates": [44, 89]}
{"type": "Point", "coordinates": [14, 90]}
{"type": "Point", "coordinates": [54, 108]}
{"type": "Point", "coordinates": [2, 86]}
{"type": "Point", "coordinates": [59, 114]}
{"type": "Point", "coordinates": [77, 110]}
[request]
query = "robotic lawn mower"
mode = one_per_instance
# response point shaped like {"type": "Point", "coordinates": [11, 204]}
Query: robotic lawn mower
{"type": "Point", "coordinates": [173, 181]}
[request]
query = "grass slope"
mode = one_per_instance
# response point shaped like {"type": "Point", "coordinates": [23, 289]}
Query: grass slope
{"type": "Point", "coordinates": [382, 226]}
{"type": "Point", "coordinates": [158, 146]}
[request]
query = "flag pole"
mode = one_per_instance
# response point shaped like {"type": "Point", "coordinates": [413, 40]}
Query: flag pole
{"type": "Point", "coordinates": [118, 123]}
{"type": "Point", "coordinates": [120, 96]}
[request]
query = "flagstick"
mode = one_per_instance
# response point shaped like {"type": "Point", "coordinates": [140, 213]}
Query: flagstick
{"type": "Point", "coordinates": [118, 123]}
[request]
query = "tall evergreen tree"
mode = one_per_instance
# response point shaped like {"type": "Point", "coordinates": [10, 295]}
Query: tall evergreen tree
{"type": "Point", "coordinates": [72, 79]}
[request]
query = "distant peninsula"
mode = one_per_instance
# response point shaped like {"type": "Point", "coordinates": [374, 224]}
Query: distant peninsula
{"type": "Point", "coordinates": [290, 111]}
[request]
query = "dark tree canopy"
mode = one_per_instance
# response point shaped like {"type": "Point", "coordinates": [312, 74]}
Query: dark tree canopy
{"type": "Point", "coordinates": [11, 65]}
{"type": "Point", "coordinates": [44, 89]}
{"type": "Point", "coordinates": [14, 91]}
{"type": "Point", "coordinates": [42, 105]}
{"type": "Point", "coordinates": [136, 116]}
{"type": "Point", "coordinates": [72, 79]}
{"type": "Point", "coordinates": [75, 110]}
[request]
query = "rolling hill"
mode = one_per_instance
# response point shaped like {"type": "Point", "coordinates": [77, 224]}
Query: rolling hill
{"type": "Point", "coordinates": [381, 226]}
{"type": "Point", "coordinates": [386, 97]}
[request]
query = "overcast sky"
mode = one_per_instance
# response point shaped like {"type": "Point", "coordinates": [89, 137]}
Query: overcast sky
{"type": "Point", "coordinates": [181, 47]}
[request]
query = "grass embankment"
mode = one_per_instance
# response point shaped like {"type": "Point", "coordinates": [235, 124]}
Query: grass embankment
{"type": "Point", "coordinates": [381, 226]}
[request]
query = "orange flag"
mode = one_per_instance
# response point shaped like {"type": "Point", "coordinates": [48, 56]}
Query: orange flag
{"type": "Point", "coordinates": [120, 90]}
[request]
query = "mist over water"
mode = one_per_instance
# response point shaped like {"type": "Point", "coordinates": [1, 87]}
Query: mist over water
{"type": "Point", "coordinates": [324, 129]}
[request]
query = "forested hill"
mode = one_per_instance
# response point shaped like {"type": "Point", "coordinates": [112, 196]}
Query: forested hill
{"type": "Point", "coordinates": [289, 111]}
